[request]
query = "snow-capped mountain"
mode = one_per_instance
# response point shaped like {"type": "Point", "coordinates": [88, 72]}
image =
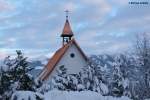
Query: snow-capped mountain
{"type": "Point", "coordinates": [37, 64]}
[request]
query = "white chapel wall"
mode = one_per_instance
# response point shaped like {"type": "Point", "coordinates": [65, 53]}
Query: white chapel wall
{"type": "Point", "coordinates": [73, 65]}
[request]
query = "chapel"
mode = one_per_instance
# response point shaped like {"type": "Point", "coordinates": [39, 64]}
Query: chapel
{"type": "Point", "coordinates": [70, 55]}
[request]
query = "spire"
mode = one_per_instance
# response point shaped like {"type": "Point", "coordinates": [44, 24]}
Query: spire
{"type": "Point", "coordinates": [67, 31]}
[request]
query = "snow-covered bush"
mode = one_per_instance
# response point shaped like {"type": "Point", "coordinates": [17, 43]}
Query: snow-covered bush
{"type": "Point", "coordinates": [64, 81]}
{"type": "Point", "coordinates": [26, 95]}
{"type": "Point", "coordinates": [45, 87]}
{"type": "Point", "coordinates": [88, 79]}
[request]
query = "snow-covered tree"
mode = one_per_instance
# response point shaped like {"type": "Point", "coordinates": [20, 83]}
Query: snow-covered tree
{"type": "Point", "coordinates": [92, 80]}
{"type": "Point", "coordinates": [26, 95]}
{"type": "Point", "coordinates": [45, 87]}
{"type": "Point", "coordinates": [14, 75]}
{"type": "Point", "coordinates": [59, 81]}
{"type": "Point", "coordinates": [142, 68]}
{"type": "Point", "coordinates": [123, 63]}
{"type": "Point", "coordinates": [88, 79]}
{"type": "Point", "coordinates": [6, 78]}
{"type": "Point", "coordinates": [143, 53]}
{"type": "Point", "coordinates": [5, 85]}
{"type": "Point", "coordinates": [64, 81]}
{"type": "Point", "coordinates": [20, 73]}
{"type": "Point", "coordinates": [117, 88]}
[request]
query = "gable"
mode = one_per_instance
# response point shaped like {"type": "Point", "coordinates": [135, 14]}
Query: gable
{"type": "Point", "coordinates": [73, 60]}
{"type": "Point", "coordinates": [62, 57]}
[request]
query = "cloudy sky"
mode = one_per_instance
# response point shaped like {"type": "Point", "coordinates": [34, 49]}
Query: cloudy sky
{"type": "Point", "coordinates": [99, 26]}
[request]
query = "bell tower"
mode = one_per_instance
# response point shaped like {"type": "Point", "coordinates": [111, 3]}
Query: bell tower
{"type": "Point", "coordinates": [67, 33]}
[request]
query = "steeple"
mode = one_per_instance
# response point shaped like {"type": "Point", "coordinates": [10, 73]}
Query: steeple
{"type": "Point", "coordinates": [67, 31]}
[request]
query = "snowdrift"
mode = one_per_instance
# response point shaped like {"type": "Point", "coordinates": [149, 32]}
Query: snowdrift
{"type": "Point", "coordinates": [26, 95]}
{"type": "Point", "coordinates": [83, 95]}
{"type": "Point", "coordinates": [63, 95]}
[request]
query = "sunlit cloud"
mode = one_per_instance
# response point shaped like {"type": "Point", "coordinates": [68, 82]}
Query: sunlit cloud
{"type": "Point", "coordinates": [100, 26]}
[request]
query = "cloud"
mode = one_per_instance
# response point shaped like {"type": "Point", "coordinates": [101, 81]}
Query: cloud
{"type": "Point", "coordinates": [99, 25]}
{"type": "Point", "coordinates": [2, 55]}
{"type": "Point", "coordinates": [70, 6]}
{"type": "Point", "coordinates": [5, 6]}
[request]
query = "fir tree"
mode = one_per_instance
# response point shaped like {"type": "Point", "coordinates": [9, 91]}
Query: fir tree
{"type": "Point", "coordinates": [14, 75]}
{"type": "Point", "coordinates": [22, 69]}
{"type": "Point", "coordinates": [117, 85]}
{"type": "Point", "coordinates": [5, 85]}
{"type": "Point", "coordinates": [6, 79]}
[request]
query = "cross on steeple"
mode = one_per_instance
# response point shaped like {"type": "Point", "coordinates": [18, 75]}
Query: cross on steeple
{"type": "Point", "coordinates": [67, 33]}
{"type": "Point", "coordinates": [67, 13]}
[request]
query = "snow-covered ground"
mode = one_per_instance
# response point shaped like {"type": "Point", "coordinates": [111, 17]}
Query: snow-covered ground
{"type": "Point", "coordinates": [63, 95]}
{"type": "Point", "coordinates": [26, 95]}
{"type": "Point", "coordinates": [83, 95]}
